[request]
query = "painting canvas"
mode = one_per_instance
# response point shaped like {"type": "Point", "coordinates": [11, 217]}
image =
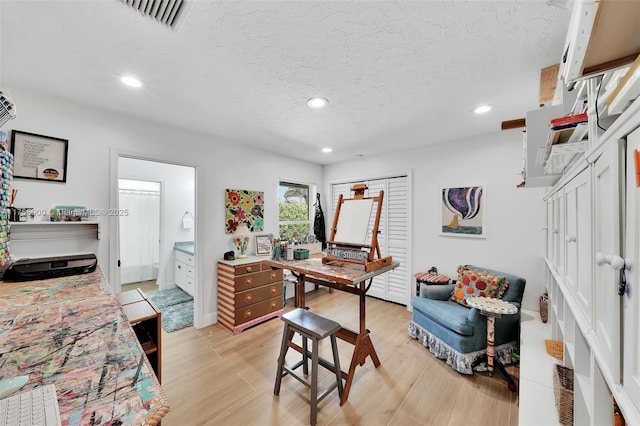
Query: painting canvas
{"type": "Point", "coordinates": [463, 211]}
{"type": "Point", "coordinates": [243, 206]}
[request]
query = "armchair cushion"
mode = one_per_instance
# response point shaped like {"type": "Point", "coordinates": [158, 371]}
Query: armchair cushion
{"type": "Point", "coordinates": [450, 315]}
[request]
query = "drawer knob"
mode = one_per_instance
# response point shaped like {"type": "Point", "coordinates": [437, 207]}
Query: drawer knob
{"type": "Point", "coordinates": [248, 268]}
{"type": "Point", "coordinates": [273, 275]}
{"type": "Point", "coordinates": [248, 298]}
{"type": "Point", "coordinates": [247, 314]}
{"type": "Point", "coordinates": [273, 304]}
{"type": "Point", "coordinates": [248, 281]}
{"type": "Point", "coordinates": [273, 290]}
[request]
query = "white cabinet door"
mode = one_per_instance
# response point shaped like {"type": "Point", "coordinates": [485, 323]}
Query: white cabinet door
{"type": "Point", "coordinates": [631, 300]}
{"type": "Point", "coordinates": [577, 243]}
{"type": "Point", "coordinates": [607, 243]}
{"type": "Point", "coordinates": [558, 233]}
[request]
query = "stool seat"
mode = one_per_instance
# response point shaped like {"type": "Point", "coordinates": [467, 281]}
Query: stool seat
{"type": "Point", "coordinates": [316, 328]}
{"type": "Point", "coordinates": [310, 323]}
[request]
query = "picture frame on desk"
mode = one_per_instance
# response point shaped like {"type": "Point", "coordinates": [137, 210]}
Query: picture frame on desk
{"type": "Point", "coordinates": [39, 157]}
{"type": "Point", "coordinates": [463, 211]}
{"type": "Point", "coordinates": [263, 245]}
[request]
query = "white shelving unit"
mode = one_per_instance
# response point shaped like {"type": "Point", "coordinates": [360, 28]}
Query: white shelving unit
{"type": "Point", "coordinates": [587, 227]}
{"type": "Point", "coordinates": [41, 230]}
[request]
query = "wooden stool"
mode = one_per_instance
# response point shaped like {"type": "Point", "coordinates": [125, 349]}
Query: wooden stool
{"type": "Point", "coordinates": [316, 328]}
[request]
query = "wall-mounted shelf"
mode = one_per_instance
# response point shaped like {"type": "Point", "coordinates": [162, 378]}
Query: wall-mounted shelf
{"type": "Point", "coordinates": [41, 230]}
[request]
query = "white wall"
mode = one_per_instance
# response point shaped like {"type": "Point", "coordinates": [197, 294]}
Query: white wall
{"type": "Point", "coordinates": [514, 217]}
{"type": "Point", "coordinates": [178, 197]}
{"type": "Point", "coordinates": [95, 138]}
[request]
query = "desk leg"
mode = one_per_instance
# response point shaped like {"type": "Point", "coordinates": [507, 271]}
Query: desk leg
{"type": "Point", "coordinates": [363, 348]}
{"type": "Point", "coordinates": [299, 293]}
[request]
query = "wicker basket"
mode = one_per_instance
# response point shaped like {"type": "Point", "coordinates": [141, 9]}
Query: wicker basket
{"type": "Point", "coordinates": [563, 393]}
{"type": "Point", "coordinates": [544, 308]}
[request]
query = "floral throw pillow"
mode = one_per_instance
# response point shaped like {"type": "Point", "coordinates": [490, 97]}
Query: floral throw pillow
{"type": "Point", "coordinates": [476, 283]}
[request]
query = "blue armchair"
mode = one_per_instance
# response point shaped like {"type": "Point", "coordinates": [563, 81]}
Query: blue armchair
{"type": "Point", "coordinates": [457, 333]}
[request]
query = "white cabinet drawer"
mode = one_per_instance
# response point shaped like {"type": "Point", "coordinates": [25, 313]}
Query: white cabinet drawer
{"type": "Point", "coordinates": [184, 257]}
{"type": "Point", "coordinates": [184, 269]}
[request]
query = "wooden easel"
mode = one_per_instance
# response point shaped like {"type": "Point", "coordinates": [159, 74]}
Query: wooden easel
{"type": "Point", "coordinates": [344, 251]}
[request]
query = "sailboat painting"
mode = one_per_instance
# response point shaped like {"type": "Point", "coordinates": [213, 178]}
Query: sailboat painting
{"type": "Point", "coordinates": [463, 211]}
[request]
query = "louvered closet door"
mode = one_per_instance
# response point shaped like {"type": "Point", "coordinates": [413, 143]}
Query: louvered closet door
{"type": "Point", "coordinates": [393, 231]}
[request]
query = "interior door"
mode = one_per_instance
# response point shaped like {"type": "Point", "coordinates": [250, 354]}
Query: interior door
{"type": "Point", "coordinates": [607, 244]}
{"type": "Point", "coordinates": [631, 299]}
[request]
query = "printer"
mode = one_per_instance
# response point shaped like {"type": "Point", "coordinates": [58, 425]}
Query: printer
{"type": "Point", "coordinates": [50, 267]}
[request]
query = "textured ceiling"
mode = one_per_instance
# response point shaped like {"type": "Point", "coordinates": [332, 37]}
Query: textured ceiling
{"type": "Point", "coordinates": [397, 74]}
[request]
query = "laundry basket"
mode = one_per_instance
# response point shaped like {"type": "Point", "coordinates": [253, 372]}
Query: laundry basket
{"type": "Point", "coordinates": [563, 393]}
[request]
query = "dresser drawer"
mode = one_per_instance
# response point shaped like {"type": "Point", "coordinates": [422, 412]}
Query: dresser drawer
{"type": "Point", "coordinates": [249, 297]}
{"type": "Point", "coordinates": [257, 310]}
{"type": "Point", "coordinates": [257, 279]}
{"type": "Point", "coordinates": [248, 268]}
{"type": "Point", "coordinates": [184, 257]}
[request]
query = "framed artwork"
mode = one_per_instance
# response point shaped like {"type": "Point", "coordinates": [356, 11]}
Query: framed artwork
{"type": "Point", "coordinates": [243, 207]}
{"type": "Point", "coordinates": [39, 157]}
{"type": "Point", "coordinates": [463, 211]}
{"type": "Point", "coordinates": [263, 245]}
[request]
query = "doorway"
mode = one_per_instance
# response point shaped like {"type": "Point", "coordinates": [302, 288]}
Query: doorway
{"type": "Point", "coordinates": [156, 225]}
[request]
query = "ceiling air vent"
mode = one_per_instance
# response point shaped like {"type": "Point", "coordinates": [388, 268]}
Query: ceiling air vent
{"type": "Point", "coordinates": [165, 12]}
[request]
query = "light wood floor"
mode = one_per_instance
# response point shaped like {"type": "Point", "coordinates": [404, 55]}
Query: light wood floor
{"type": "Point", "coordinates": [212, 377]}
{"type": "Point", "coordinates": [146, 286]}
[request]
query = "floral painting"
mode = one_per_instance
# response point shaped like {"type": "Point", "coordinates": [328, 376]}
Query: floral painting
{"type": "Point", "coordinates": [244, 207]}
{"type": "Point", "coordinates": [463, 211]}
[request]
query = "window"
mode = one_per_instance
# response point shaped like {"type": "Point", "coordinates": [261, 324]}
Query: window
{"type": "Point", "coordinates": [294, 211]}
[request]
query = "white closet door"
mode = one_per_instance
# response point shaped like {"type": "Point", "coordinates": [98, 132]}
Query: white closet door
{"type": "Point", "coordinates": [379, 285]}
{"type": "Point", "coordinates": [607, 242]}
{"type": "Point", "coordinates": [577, 244]}
{"type": "Point", "coordinates": [631, 300]}
{"type": "Point", "coordinates": [397, 239]}
{"type": "Point", "coordinates": [393, 234]}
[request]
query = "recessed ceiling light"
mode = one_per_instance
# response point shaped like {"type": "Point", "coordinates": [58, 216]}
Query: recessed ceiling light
{"type": "Point", "coordinates": [327, 150]}
{"type": "Point", "coordinates": [482, 109]}
{"type": "Point", "coordinates": [130, 81]}
{"type": "Point", "coordinates": [316, 103]}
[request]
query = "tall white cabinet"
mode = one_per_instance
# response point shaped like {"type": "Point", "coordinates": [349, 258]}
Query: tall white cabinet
{"type": "Point", "coordinates": [593, 234]}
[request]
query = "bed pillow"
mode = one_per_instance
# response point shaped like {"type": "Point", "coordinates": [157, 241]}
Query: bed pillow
{"type": "Point", "coordinates": [472, 283]}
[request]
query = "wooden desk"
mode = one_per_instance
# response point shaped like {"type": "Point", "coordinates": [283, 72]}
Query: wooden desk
{"type": "Point", "coordinates": [344, 277]}
{"type": "Point", "coordinates": [72, 332]}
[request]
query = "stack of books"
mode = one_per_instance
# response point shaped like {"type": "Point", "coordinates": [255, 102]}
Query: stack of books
{"type": "Point", "coordinates": [568, 121]}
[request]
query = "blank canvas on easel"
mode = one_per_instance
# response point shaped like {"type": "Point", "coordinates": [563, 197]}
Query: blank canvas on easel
{"type": "Point", "coordinates": [353, 221]}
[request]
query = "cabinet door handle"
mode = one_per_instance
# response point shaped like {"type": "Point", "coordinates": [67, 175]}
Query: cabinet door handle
{"type": "Point", "coordinates": [615, 261]}
{"type": "Point", "coordinates": [179, 267]}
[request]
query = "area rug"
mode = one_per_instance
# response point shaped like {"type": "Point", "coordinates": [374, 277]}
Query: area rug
{"type": "Point", "coordinates": [176, 307]}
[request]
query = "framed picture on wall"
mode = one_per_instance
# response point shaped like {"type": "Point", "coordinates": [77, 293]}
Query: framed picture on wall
{"type": "Point", "coordinates": [463, 211]}
{"type": "Point", "coordinates": [39, 157]}
{"type": "Point", "coordinates": [263, 245]}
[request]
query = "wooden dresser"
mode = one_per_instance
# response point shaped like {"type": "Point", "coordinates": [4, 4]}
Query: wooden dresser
{"type": "Point", "coordinates": [249, 292]}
